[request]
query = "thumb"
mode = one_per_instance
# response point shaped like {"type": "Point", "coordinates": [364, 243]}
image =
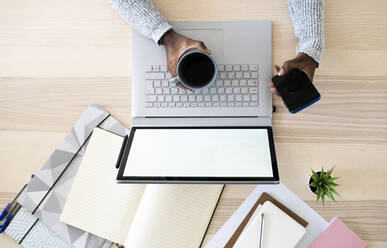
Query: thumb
{"type": "Point", "coordinates": [203, 47]}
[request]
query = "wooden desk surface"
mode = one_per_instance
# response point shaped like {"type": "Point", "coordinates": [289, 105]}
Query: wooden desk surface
{"type": "Point", "coordinates": [56, 57]}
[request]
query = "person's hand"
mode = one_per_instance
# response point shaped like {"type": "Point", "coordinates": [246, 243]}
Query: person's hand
{"type": "Point", "coordinates": [302, 62]}
{"type": "Point", "coordinates": [175, 45]}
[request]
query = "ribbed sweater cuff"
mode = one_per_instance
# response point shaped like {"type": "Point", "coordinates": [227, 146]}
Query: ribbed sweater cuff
{"type": "Point", "coordinates": [314, 50]}
{"type": "Point", "coordinates": [160, 31]}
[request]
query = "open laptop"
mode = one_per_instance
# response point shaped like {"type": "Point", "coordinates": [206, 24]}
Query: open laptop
{"type": "Point", "coordinates": [240, 99]}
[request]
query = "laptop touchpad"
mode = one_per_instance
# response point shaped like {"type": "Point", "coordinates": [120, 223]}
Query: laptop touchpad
{"type": "Point", "coordinates": [212, 38]}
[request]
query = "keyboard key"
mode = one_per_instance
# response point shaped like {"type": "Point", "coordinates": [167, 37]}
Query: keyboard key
{"type": "Point", "coordinates": [168, 98]}
{"type": "Point", "coordinates": [174, 90]}
{"type": "Point", "coordinates": [219, 82]}
{"type": "Point", "coordinates": [238, 104]}
{"type": "Point", "coordinates": [254, 97]}
{"type": "Point", "coordinates": [237, 90]}
{"type": "Point", "coordinates": [228, 90]}
{"type": "Point", "coordinates": [150, 98]}
{"type": "Point", "coordinates": [199, 98]}
{"type": "Point", "coordinates": [253, 90]}
{"type": "Point", "coordinates": [184, 98]}
{"type": "Point", "coordinates": [254, 75]}
{"type": "Point", "coordinates": [252, 82]}
{"type": "Point", "coordinates": [154, 75]}
{"type": "Point", "coordinates": [222, 98]}
{"type": "Point", "coordinates": [245, 104]}
{"type": "Point", "coordinates": [230, 104]}
{"type": "Point", "coordinates": [168, 75]}
{"type": "Point", "coordinates": [216, 104]}
{"type": "Point", "coordinates": [223, 75]}
{"type": "Point", "coordinates": [220, 90]}
{"type": "Point", "coordinates": [149, 83]}
{"type": "Point", "coordinates": [163, 68]}
{"type": "Point", "coordinates": [223, 104]}
{"type": "Point", "coordinates": [238, 75]}
{"type": "Point", "coordinates": [179, 104]}
{"type": "Point", "coordinates": [228, 67]}
{"type": "Point", "coordinates": [148, 68]}
{"type": "Point", "coordinates": [207, 98]}
{"type": "Point", "coordinates": [244, 90]}
{"type": "Point", "coordinates": [156, 68]}
{"type": "Point", "coordinates": [246, 75]}
{"type": "Point", "coordinates": [230, 98]}
{"type": "Point", "coordinates": [243, 82]}
{"type": "Point", "coordinates": [185, 104]}
{"type": "Point", "coordinates": [201, 104]}
{"type": "Point", "coordinates": [235, 82]}
{"type": "Point", "coordinates": [220, 67]}
{"type": "Point", "coordinates": [166, 91]}
{"type": "Point", "coordinates": [159, 91]}
{"type": "Point", "coordinates": [164, 83]}
{"type": "Point", "coordinates": [253, 104]}
{"type": "Point", "coordinates": [231, 75]}
{"type": "Point", "coordinates": [237, 67]}
{"type": "Point", "coordinates": [181, 91]}
{"type": "Point", "coordinates": [149, 104]}
{"type": "Point", "coordinates": [161, 98]}
{"type": "Point", "coordinates": [253, 67]}
{"type": "Point", "coordinates": [171, 104]}
{"type": "Point", "coordinates": [176, 98]}
{"type": "Point", "coordinates": [238, 97]}
{"type": "Point", "coordinates": [157, 104]}
{"type": "Point", "coordinates": [212, 90]}
{"type": "Point", "coordinates": [157, 83]}
{"type": "Point", "coordinates": [149, 91]}
{"type": "Point", "coordinates": [208, 104]}
{"type": "Point", "coordinates": [246, 98]}
{"type": "Point", "coordinates": [244, 68]}
{"type": "Point", "coordinates": [215, 98]}
{"type": "Point", "coordinates": [205, 91]}
{"type": "Point", "coordinates": [164, 104]}
{"type": "Point", "coordinates": [191, 98]}
{"type": "Point", "coordinates": [194, 104]}
{"type": "Point", "coordinates": [227, 82]}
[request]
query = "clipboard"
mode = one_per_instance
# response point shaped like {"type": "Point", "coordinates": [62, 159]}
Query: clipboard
{"type": "Point", "coordinates": [264, 197]}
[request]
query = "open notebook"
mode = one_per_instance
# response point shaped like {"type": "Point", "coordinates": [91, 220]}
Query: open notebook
{"type": "Point", "coordinates": [135, 215]}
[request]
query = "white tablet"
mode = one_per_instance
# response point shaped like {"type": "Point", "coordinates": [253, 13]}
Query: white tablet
{"type": "Point", "coordinates": [198, 155]}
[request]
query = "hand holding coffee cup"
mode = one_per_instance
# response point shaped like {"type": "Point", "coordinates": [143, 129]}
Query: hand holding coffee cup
{"type": "Point", "coordinates": [196, 70]}
{"type": "Point", "coordinates": [175, 45]}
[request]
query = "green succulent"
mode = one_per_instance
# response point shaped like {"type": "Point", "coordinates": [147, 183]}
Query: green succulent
{"type": "Point", "coordinates": [324, 184]}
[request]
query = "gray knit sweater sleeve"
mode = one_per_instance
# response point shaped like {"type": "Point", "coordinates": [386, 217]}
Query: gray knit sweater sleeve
{"type": "Point", "coordinates": [308, 22]}
{"type": "Point", "coordinates": [307, 17]}
{"type": "Point", "coordinates": [143, 16]}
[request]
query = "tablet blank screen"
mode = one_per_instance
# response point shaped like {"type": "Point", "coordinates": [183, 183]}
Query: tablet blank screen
{"type": "Point", "coordinates": [199, 153]}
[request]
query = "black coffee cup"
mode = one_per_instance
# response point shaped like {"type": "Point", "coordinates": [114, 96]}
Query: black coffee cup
{"type": "Point", "coordinates": [196, 70]}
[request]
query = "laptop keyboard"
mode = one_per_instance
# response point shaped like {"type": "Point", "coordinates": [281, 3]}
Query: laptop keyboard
{"type": "Point", "coordinates": [235, 86]}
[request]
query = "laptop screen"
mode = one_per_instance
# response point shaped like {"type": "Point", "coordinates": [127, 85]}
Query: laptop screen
{"type": "Point", "coordinates": [200, 154]}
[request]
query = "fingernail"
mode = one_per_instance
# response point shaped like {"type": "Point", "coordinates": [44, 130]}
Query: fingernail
{"type": "Point", "coordinates": [281, 72]}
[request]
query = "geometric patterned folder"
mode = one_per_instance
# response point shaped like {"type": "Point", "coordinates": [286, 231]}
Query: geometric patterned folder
{"type": "Point", "coordinates": [46, 193]}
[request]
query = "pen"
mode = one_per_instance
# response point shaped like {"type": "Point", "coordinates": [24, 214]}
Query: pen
{"type": "Point", "coordinates": [261, 232]}
{"type": "Point", "coordinates": [4, 213]}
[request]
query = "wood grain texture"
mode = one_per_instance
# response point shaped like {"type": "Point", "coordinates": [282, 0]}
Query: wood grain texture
{"type": "Point", "coordinates": [57, 57]}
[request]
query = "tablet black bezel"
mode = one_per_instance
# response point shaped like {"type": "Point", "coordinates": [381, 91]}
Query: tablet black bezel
{"type": "Point", "coordinates": [209, 180]}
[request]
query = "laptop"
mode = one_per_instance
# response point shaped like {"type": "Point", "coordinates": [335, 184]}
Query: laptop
{"type": "Point", "coordinates": [239, 103]}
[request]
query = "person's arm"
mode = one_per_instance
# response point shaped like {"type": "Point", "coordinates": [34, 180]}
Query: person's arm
{"type": "Point", "coordinates": [142, 16]}
{"type": "Point", "coordinates": [308, 21]}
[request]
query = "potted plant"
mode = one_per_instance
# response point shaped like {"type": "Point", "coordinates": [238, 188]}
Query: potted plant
{"type": "Point", "coordinates": [323, 184]}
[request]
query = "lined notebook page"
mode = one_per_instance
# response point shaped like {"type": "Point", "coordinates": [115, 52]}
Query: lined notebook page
{"type": "Point", "coordinates": [96, 203]}
{"type": "Point", "coordinates": [173, 216]}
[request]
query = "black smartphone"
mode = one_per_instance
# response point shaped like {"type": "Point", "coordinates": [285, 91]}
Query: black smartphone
{"type": "Point", "coordinates": [296, 90]}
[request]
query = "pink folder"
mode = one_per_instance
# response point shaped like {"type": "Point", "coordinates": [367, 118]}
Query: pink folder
{"type": "Point", "coordinates": [338, 235]}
